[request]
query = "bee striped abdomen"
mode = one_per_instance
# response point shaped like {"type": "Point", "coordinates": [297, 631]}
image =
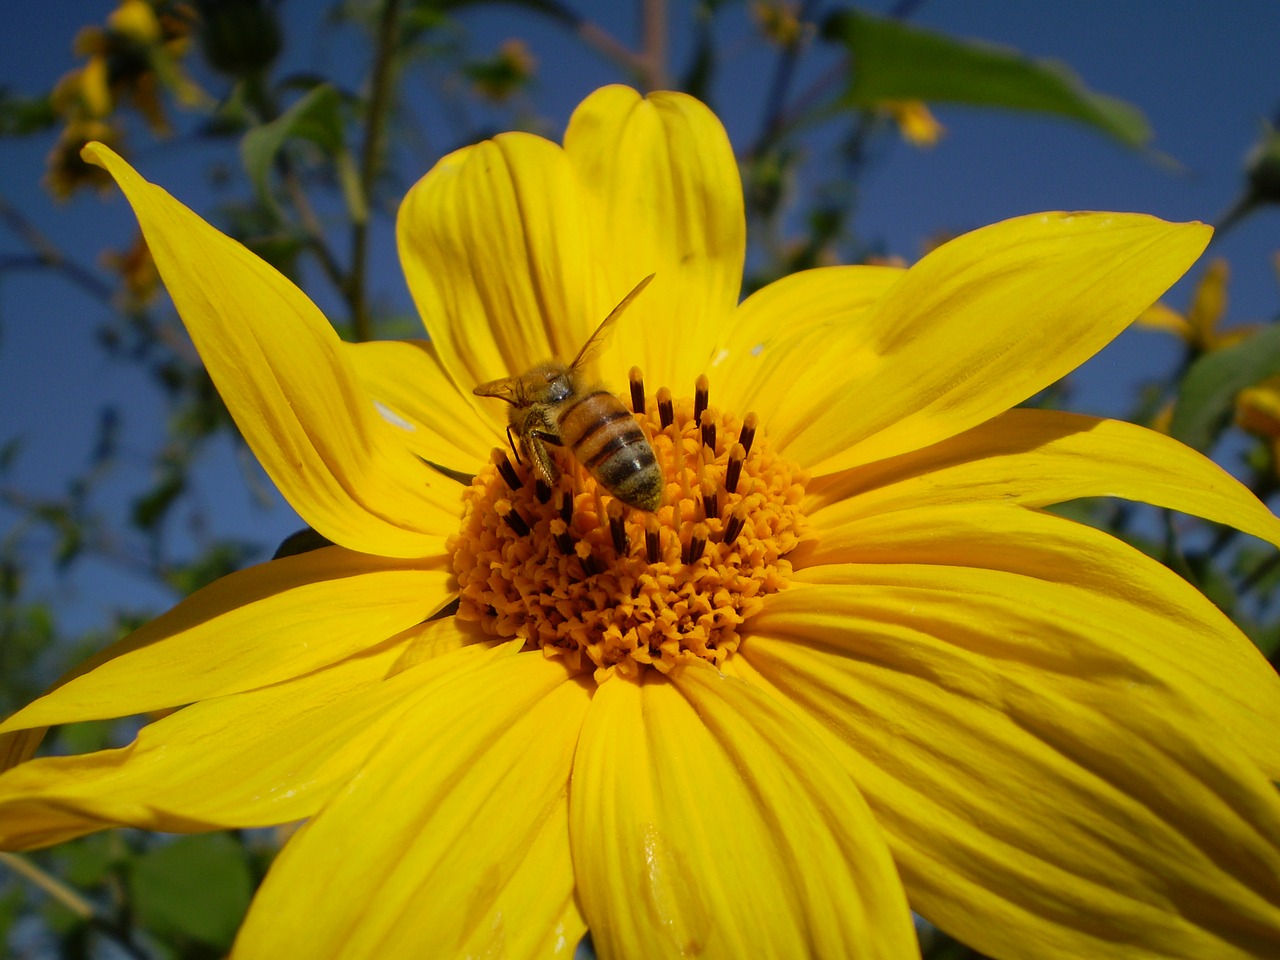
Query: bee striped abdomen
{"type": "Point", "coordinates": [606, 439]}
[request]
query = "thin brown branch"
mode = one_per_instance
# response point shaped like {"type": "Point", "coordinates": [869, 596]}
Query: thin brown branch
{"type": "Point", "coordinates": [50, 256]}
{"type": "Point", "coordinates": [370, 154]}
{"type": "Point", "coordinates": [653, 32]}
{"type": "Point", "coordinates": [310, 222]}
{"type": "Point", "coordinates": [50, 884]}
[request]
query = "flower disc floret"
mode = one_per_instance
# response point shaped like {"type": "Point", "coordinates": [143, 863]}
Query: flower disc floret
{"type": "Point", "coordinates": [574, 571]}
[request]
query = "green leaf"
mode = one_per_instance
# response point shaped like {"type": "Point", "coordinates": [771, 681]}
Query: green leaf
{"type": "Point", "coordinates": [1207, 394]}
{"type": "Point", "coordinates": [195, 887]}
{"type": "Point", "coordinates": [316, 117]}
{"type": "Point", "coordinates": [87, 862]}
{"type": "Point", "coordinates": [895, 61]}
{"type": "Point", "coordinates": [21, 115]}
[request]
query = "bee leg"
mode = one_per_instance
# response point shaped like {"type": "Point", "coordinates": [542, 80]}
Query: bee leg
{"type": "Point", "coordinates": [512, 444]}
{"type": "Point", "coordinates": [542, 462]}
{"type": "Point", "coordinates": [536, 432]}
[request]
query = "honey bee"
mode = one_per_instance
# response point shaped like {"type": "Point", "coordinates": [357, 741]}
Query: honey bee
{"type": "Point", "coordinates": [553, 404]}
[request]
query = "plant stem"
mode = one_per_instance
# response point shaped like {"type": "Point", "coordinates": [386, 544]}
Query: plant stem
{"type": "Point", "coordinates": [370, 152]}
{"type": "Point", "coordinates": [49, 255]}
{"type": "Point", "coordinates": [653, 32]}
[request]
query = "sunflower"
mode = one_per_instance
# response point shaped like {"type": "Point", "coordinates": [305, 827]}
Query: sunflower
{"type": "Point", "coordinates": [849, 667]}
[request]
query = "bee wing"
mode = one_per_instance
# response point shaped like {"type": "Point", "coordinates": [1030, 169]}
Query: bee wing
{"type": "Point", "coordinates": [505, 388]}
{"type": "Point", "coordinates": [597, 339]}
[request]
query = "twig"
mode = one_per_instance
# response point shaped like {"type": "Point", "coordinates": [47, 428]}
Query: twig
{"type": "Point", "coordinates": [593, 35]}
{"type": "Point", "coordinates": [653, 31]}
{"type": "Point", "coordinates": [49, 254]}
{"type": "Point", "coordinates": [310, 223]}
{"type": "Point", "coordinates": [50, 884]}
{"type": "Point", "coordinates": [783, 71]}
{"type": "Point", "coordinates": [375, 121]}
{"type": "Point", "coordinates": [264, 102]}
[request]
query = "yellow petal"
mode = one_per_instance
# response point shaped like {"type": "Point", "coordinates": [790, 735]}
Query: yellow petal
{"type": "Point", "coordinates": [982, 323]}
{"type": "Point", "coordinates": [664, 197]}
{"type": "Point", "coordinates": [706, 820]}
{"type": "Point", "coordinates": [1160, 317]}
{"type": "Point", "coordinates": [1041, 457]}
{"type": "Point", "coordinates": [1209, 303]}
{"type": "Point", "coordinates": [452, 838]}
{"type": "Point", "coordinates": [251, 759]}
{"type": "Point", "coordinates": [415, 395]}
{"type": "Point", "coordinates": [277, 364]}
{"type": "Point", "coordinates": [495, 247]}
{"type": "Point", "coordinates": [258, 626]}
{"type": "Point", "coordinates": [1067, 597]}
{"type": "Point", "coordinates": [1035, 808]}
{"type": "Point", "coordinates": [784, 352]}
{"type": "Point", "coordinates": [916, 122]}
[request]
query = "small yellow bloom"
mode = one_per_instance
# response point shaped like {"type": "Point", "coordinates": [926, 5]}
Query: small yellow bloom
{"type": "Point", "coordinates": [917, 124]}
{"type": "Point", "coordinates": [66, 170]}
{"type": "Point", "coordinates": [509, 71]}
{"type": "Point", "coordinates": [848, 668]}
{"type": "Point", "coordinates": [137, 271]}
{"type": "Point", "coordinates": [135, 60]}
{"type": "Point", "coordinates": [780, 22]}
{"type": "Point", "coordinates": [137, 20]}
{"type": "Point", "coordinates": [1258, 412]}
{"type": "Point", "coordinates": [1198, 327]}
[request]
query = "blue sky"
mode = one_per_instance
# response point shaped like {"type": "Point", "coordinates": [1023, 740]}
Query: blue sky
{"type": "Point", "coordinates": [1204, 74]}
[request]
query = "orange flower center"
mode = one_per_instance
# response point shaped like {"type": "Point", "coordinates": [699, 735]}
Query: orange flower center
{"type": "Point", "coordinates": [578, 573]}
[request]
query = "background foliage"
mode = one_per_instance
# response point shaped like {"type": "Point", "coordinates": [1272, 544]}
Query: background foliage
{"type": "Point", "coordinates": [297, 129]}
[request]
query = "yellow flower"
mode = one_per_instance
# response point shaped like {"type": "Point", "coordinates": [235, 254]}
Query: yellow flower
{"type": "Point", "coordinates": [66, 170]}
{"type": "Point", "coordinates": [780, 22]}
{"type": "Point", "coordinates": [139, 279]}
{"type": "Point", "coordinates": [1258, 412]}
{"type": "Point", "coordinates": [916, 122]}
{"type": "Point", "coordinates": [874, 673]}
{"type": "Point", "coordinates": [1198, 327]}
{"type": "Point", "coordinates": [505, 74]}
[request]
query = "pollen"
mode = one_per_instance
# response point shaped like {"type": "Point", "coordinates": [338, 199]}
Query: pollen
{"type": "Point", "coordinates": [618, 591]}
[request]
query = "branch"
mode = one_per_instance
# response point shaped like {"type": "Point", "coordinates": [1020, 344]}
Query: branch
{"type": "Point", "coordinates": [49, 255]}
{"type": "Point", "coordinates": [375, 121]}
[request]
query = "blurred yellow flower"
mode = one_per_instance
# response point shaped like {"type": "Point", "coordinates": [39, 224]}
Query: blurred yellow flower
{"type": "Point", "coordinates": [138, 275]}
{"type": "Point", "coordinates": [848, 668]}
{"type": "Point", "coordinates": [498, 78]}
{"type": "Point", "coordinates": [916, 123]}
{"type": "Point", "coordinates": [779, 21]}
{"type": "Point", "coordinates": [1258, 412]}
{"type": "Point", "coordinates": [1199, 326]}
{"type": "Point", "coordinates": [133, 59]}
{"type": "Point", "coordinates": [66, 170]}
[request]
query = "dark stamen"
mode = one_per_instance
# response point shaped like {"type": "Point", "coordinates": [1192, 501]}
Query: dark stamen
{"type": "Point", "coordinates": [637, 390]}
{"type": "Point", "coordinates": [734, 470]}
{"type": "Point", "coordinates": [514, 520]}
{"type": "Point", "coordinates": [652, 541]}
{"type": "Point", "coordinates": [697, 543]}
{"type": "Point", "coordinates": [566, 507]}
{"type": "Point", "coordinates": [709, 435]}
{"type": "Point", "coordinates": [665, 412]}
{"type": "Point", "coordinates": [710, 499]}
{"type": "Point", "coordinates": [701, 391]}
{"type": "Point", "coordinates": [541, 490]}
{"type": "Point", "coordinates": [735, 525]}
{"type": "Point", "coordinates": [509, 475]}
{"type": "Point", "coordinates": [564, 542]}
{"type": "Point", "coordinates": [590, 565]}
{"type": "Point", "coordinates": [749, 424]}
{"type": "Point", "coordinates": [617, 529]}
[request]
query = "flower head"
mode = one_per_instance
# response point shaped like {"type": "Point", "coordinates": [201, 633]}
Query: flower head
{"type": "Point", "coordinates": [1199, 326]}
{"type": "Point", "coordinates": [847, 667]}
